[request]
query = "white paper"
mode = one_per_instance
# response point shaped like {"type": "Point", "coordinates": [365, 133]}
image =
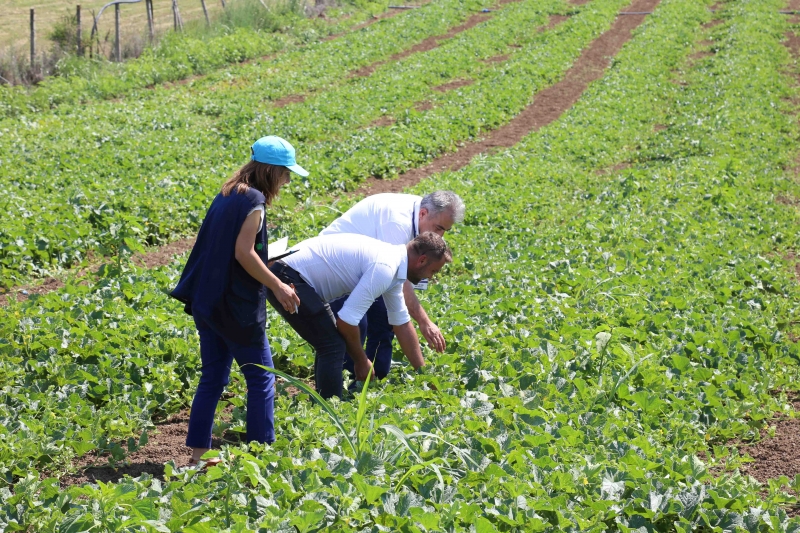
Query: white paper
{"type": "Point", "coordinates": [277, 248]}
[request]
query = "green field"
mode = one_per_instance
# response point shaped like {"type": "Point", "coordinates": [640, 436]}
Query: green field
{"type": "Point", "coordinates": [621, 313]}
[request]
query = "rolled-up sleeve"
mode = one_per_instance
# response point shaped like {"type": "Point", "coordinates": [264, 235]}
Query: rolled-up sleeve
{"type": "Point", "coordinates": [396, 304]}
{"type": "Point", "coordinates": [375, 281]}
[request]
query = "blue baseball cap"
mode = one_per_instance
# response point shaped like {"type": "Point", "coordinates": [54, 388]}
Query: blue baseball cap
{"type": "Point", "coordinates": [273, 150]}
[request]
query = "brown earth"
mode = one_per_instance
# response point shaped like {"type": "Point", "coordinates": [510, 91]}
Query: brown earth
{"type": "Point", "coordinates": [547, 105]}
{"type": "Point", "coordinates": [713, 23]}
{"type": "Point", "coordinates": [554, 21]}
{"type": "Point", "coordinates": [794, 5]}
{"type": "Point", "coordinates": [612, 169]}
{"type": "Point", "coordinates": [154, 258]}
{"type": "Point", "coordinates": [423, 106]}
{"type": "Point", "coordinates": [787, 200]}
{"type": "Point", "coordinates": [382, 122]}
{"type": "Point", "coordinates": [290, 99]}
{"type": "Point", "coordinates": [776, 456]}
{"type": "Point", "coordinates": [497, 59]}
{"type": "Point", "coordinates": [165, 443]}
{"type": "Point", "coordinates": [453, 85]}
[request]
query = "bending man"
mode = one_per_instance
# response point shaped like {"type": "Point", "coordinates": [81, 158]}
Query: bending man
{"type": "Point", "coordinates": [397, 219]}
{"type": "Point", "coordinates": [329, 266]}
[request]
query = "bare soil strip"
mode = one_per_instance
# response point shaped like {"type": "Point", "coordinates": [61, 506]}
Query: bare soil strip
{"type": "Point", "coordinates": [166, 443]}
{"type": "Point", "coordinates": [453, 85]}
{"type": "Point", "coordinates": [382, 122]}
{"type": "Point", "coordinates": [547, 106]}
{"type": "Point", "coordinates": [428, 44]}
{"type": "Point", "coordinates": [777, 456]}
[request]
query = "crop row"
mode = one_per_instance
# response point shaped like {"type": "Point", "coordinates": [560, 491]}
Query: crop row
{"type": "Point", "coordinates": [313, 64]}
{"type": "Point", "coordinates": [604, 326]}
{"type": "Point", "coordinates": [176, 57]}
{"type": "Point", "coordinates": [125, 172]}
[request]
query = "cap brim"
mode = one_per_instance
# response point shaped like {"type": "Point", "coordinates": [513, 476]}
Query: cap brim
{"type": "Point", "coordinates": [297, 169]}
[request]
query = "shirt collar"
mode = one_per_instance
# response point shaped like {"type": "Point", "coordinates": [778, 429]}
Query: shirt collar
{"type": "Point", "coordinates": [415, 214]}
{"type": "Point", "coordinates": [402, 268]}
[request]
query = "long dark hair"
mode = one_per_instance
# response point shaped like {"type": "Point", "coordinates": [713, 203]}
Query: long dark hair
{"type": "Point", "coordinates": [261, 176]}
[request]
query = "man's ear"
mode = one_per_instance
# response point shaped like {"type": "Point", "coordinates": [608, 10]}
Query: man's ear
{"type": "Point", "coordinates": [422, 260]}
{"type": "Point", "coordinates": [423, 212]}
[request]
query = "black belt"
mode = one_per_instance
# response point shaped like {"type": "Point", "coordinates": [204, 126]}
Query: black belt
{"type": "Point", "coordinates": [279, 268]}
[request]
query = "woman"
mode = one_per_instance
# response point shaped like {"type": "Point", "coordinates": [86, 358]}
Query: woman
{"type": "Point", "coordinates": [224, 286]}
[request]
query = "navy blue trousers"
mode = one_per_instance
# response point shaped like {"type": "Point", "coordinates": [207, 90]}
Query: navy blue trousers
{"type": "Point", "coordinates": [375, 327]}
{"type": "Point", "coordinates": [217, 356]}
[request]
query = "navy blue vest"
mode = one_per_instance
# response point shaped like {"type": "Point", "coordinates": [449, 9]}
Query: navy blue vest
{"type": "Point", "coordinates": [214, 286]}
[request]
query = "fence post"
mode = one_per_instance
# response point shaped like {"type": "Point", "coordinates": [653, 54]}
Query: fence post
{"type": "Point", "coordinates": [205, 12]}
{"type": "Point", "coordinates": [223, 4]}
{"type": "Point", "coordinates": [116, 28]}
{"type": "Point", "coordinates": [149, 8]}
{"type": "Point", "coordinates": [176, 16]}
{"type": "Point", "coordinates": [33, 39]}
{"type": "Point", "coordinates": [78, 30]}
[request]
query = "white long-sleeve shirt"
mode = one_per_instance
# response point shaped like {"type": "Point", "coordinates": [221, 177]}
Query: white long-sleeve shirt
{"type": "Point", "coordinates": [388, 217]}
{"type": "Point", "coordinates": [363, 267]}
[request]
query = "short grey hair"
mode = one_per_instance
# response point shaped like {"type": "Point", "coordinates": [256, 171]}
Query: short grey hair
{"type": "Point", "coordinates": [439, 201]}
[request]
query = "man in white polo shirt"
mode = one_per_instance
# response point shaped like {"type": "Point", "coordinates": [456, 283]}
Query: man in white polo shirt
{"type": "Point", "coordinates": [329, 266]}
{"type": "Point", "coordinates": [397, 219]}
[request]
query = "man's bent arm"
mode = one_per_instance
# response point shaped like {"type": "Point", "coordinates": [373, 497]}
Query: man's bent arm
{"type": "Point", "coordinates": [352, 340]}
{"type": "Point", "coordinates": [409, 343]}
{"type": "Point", "coordinates": [428, 329]}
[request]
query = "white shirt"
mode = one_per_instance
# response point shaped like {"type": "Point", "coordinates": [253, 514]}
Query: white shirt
{"type": "Point", "coordinates": [364, 268]}
{"type": "Point", "coordinates": [388, 217]}
{"type": "Point", "coordinates": [260, 209]}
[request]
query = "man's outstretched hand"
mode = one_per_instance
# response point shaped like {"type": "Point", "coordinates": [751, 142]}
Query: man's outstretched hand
{"type": "Point", "coordinates": [433, 335]}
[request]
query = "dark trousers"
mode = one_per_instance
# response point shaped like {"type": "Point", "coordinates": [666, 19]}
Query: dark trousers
{"type": "Point", "coordinates": [316, 324]}
{"type": "Point", "coordinates": [217, 356]}
{"type": "Point", "coordinates": [379, 336]}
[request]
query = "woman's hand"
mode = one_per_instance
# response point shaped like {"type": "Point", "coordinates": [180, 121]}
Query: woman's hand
{"type": "Point", "coordinates": [287, 297]}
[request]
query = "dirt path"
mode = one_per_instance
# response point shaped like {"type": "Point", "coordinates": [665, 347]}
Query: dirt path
{"type": "Point", "coordinates": [547, 106]}
{"type": "Point", "coordinates": [777, 456]}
